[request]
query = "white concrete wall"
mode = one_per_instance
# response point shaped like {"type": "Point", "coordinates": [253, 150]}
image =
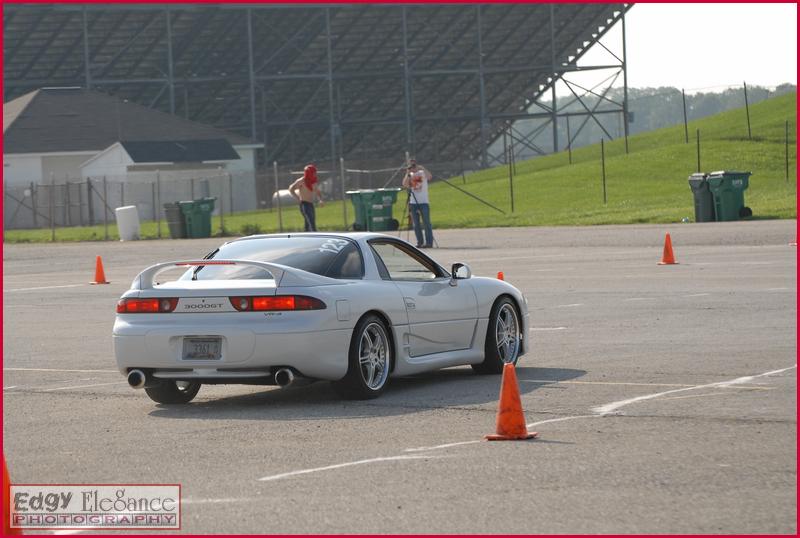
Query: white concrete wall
{"type": "Point", "coordinates": [21, 169]}
{"type": "Point", "coordinates": [113, 161]}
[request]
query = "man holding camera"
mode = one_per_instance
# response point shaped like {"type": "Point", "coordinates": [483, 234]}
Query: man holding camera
{"type": "Point", "coordinates": [416, 181]}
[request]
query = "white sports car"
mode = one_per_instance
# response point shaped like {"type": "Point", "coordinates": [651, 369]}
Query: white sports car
{"type": "Point", "coordinates": [354, 309]}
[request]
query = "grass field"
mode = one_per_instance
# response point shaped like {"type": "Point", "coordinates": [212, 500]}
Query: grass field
{"type": "Point", "coordinates": [647, 185]}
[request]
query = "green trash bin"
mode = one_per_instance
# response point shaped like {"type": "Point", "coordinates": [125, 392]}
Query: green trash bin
{"type": "Point", "coordinates": [728, 188]}
{"type": "Point", "coordinates": [175, 220]}
{"type": "Point", "coordinates": [373, 208]}
{"type": "Point", "coordinates": [197, 214]}
{"type": "Point", "coordinates": [703, 199]}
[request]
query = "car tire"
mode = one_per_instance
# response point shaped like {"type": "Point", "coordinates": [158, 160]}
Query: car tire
{"type": "Point", "coordinates": [369, 361]}
{"type": "Point", "coordinates": [170, 392]}
{"type": "Point", "coordinates": [503, 338]}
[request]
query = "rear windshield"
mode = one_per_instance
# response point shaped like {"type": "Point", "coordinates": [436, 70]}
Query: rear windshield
{"type": "Point", "coordinates": [327, 256]}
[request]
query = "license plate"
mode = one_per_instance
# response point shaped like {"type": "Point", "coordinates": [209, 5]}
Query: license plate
{"type": "Point", "coordinates": [202, 349]}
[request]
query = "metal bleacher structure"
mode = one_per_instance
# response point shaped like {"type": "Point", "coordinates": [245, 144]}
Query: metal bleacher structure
{"type": "Point", "coordinates": [319, 82]}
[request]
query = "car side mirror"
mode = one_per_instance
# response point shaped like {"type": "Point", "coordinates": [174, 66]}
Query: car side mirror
{"type": "Point", "coordinates": [459, 271]}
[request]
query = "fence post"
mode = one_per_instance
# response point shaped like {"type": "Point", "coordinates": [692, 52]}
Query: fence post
{"type": "Point", "coordinates": [685, 119]}
{"type": "Point", "coordinates": [603, 165]}
{"type": "Point", "coordinates": [33, 205]}
{"type": "Point", "coordinates": [89, 201]}
{"type": "Point", "coordinates": [122, 194]}
{"type": "Point", "coordinates": [230, 192]}
{"type": "Point", "coordinates": [787, 149]}
{"type": "Point", "coordinates": [569, 142]}
{"type": "Point", "coordinates": [747, 109]}
{"type": "Point", "coordinates": [157, 206]}
{"type": "Point", "coordinates": [192, 187]}
{"type": "Point", "coordinates": [278, 196]}
{"type": "Point", "coordinates": [52, 207]}
{"type": "Point", "coordinates": [105, 208]}
{"type": "Point", "coordinates": [67, 204]}
{"type": "Point", "coordinates": [698, 150]}
{"type": "Point", "coordinates": [153, 193]}
{"type": "Point", "coordinates": [510, 175]}
{"type": "Point", "coordinates": [221, 201]}
{"type": "Point", "coordinates": [344, 189]}
{"type": "Point", "coordinates": [80, 202]}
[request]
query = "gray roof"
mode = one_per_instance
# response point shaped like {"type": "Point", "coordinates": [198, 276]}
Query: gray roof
{"type": "Point", "coordinates": [180, 151]}
{"type": "Point", "coordinates": [74, 119]}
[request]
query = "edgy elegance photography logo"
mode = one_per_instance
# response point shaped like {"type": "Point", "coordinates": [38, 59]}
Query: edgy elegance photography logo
{"type": "Point", "coordinates": [95, 506]}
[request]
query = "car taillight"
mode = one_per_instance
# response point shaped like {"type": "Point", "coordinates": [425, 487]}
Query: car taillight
{"type": "Point", "coordinates": [146, 306]}
{"type": "Point", "coordinates": [276, 303]}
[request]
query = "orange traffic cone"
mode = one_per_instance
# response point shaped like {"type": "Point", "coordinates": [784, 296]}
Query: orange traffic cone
{"type": "Point", "coordinates": [6, 504]}
{"type": "Point", "coordinates": [500, 275]}
{"type": "Point", "coordinates": [510, 419]}
{"type": "Point", "coordinates": [668, 258]}
{"type": "Point", "coordinates": [99, 274]}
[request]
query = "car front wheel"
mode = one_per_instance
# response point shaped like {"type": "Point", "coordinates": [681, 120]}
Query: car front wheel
{"type": "Point", "coordinates": [173, 392]}
{"type": "Point", "coordinates": [369, 361]}
{"type": "Point", "coordinates": [503, 338]}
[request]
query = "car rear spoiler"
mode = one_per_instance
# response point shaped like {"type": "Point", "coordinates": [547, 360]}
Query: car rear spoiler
{"type": "Point", "coordinates": [282, 274]}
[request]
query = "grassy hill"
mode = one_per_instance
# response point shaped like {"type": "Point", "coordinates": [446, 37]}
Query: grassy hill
{"type": "Point", "coordinates": [647, 185]}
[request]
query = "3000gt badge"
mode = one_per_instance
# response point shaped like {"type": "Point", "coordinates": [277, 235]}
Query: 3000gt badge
{"type": "Point", "coordinates": [207, 304]}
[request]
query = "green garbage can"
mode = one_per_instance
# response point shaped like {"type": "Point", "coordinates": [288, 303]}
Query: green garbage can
{"type": "Point", "coordinates": [175, 221]}
{"type": "Point", "coordinates": [703, 199]}
{"type": "Point", "coordinates": [728, 188]}
{"type": "Point", "coordinates": [197, 214]}
{"type": "Point", "coordinates": [373, 208]}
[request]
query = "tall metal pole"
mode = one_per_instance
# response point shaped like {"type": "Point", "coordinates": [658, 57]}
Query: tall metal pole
{"type": "Point", "coordinates": [251, 74]}
{"type": "Point", "coordinates": [86, 68]}
{"type": "Point", "coordinates": [105, 207]}
{"type": "Point", "coordinates": [747, 108]}
{"type": "Point", "coordinates": [170, 64]}
{"type": "Point", "coordinates": [158, 203]}
{"type": "Point", "coordinates": [330, 91]}
{"type": "Point", "coordinates": [407, 83]}
{"type": "Point", "coordinates": [482, 90]}
{"type": "Point", "coordinates": [685, 119]}
{"type": "Point", "coordinates": [624, 82]}
{"type": "Point", "coordinates": [52, 206]}
{"type": "Point", "coordinates": [278, 196]}
{"type": "Point", "coordinates": [553, 101]}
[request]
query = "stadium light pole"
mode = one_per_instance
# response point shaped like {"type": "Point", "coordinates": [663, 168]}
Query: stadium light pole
{"type": "Point", "coordinates": [624, 82]}
{"type": "Point", "coordinates": [482, 90]}
{"type": "Point", "coordinates": [251, 73]}
{"type": "Point", "coordinates": [170, 64]}
{"type": "Point", "coordinates": [87, 71]}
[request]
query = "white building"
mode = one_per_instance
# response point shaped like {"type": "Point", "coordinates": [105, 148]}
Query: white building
{"type": "Point", "coordinates": [64, 136]}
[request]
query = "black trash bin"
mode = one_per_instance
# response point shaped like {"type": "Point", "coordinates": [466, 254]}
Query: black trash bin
{"type": "Point", "coordinates": [703, 199]}
{"type": "Point", "coordinates": [175, 221]}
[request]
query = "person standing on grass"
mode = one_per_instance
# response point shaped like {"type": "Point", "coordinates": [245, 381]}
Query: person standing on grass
{"type": "Point", "coordinates": [416, 181]}
{"type": "Point", "coordinates": [304, 190]}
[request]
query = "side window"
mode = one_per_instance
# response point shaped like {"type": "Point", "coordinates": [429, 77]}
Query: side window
{"type": "Point", "coordinates": [348, 264]}
{"type": "Point", "coordinates": [400, 265]}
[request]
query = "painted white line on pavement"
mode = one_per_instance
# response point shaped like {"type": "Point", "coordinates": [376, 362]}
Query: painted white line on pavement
{"type": "Point", "coordinates": [44, 288]}
{"type": "Point", "coordinates": [694, 396]}
{"type": "Point", "coordinates": [57, 370]}
{"type": "Point", "coordinates": [437, 447]}
{"type": "Point", "coordinates": [613, 406]}
{"type": "Point", "coordinates": [547, 328]}
{"type": "Point", "coordinates": [697, 295]}
{"type": "Point", "coordinates": [86, 386]}
{"type": "Point", "coordinates": [561, 419]}
{"type": "Point", "coordinates": [640, 299]}
{"type": "Point", "coordinates": [569, 305]}
{"type": "Point", "coordinates": [341, 465]}
{"type": "Point", "coordinates": [778, 289]}
{"type": "Point", "coordinates": [554, 382]}
{"type": "Point", "coordinates": [11, 387]}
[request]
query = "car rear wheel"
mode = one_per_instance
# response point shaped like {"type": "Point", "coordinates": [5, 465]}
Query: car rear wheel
{"type": "Point", "coordinates": [369, 361]}
{"type": "Point", "coordinates": [503, 338]}
{"type": "Point", "coordinates": [173, 392]}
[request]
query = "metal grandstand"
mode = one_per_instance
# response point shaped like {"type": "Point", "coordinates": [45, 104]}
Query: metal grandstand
{"type": "Point", "coordinates": [318, 82]}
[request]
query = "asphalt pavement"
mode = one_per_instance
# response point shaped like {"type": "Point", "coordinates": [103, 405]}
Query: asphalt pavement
{"type": "Point", "coordinates": [664, 396]}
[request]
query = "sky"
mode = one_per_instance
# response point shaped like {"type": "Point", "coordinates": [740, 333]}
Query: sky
{"type": "Point", "coordinates": [705, 46]}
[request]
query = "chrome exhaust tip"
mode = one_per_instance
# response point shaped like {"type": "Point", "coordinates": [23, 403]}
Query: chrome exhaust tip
{"type": "Point", "coordinates": [137, 379]}
{"type": "Point", "coordinates": [284, 377]}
